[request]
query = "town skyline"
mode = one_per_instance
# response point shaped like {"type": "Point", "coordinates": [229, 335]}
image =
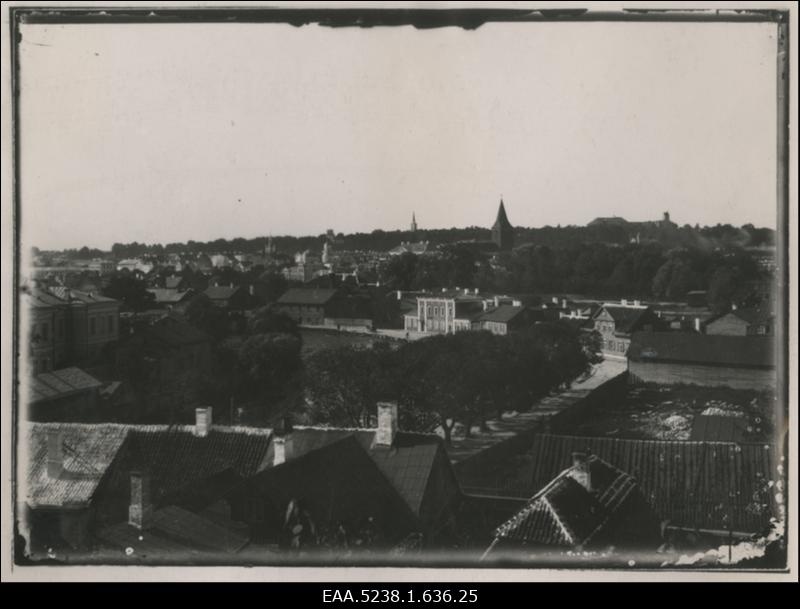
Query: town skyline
{"type": "Point", "coordinates": [563, 123]}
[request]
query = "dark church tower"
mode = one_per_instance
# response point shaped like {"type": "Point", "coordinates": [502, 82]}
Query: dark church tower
{"type": "Point", "coordinates": [502, 231]}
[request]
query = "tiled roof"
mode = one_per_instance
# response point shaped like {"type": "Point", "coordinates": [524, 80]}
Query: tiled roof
{"type": "Point", "coordinates": [694, 484]}
{"type": "Point", "coordinates": [90, 297]}
{"type": "Point", "coordinates": [172, 455]}
{"type": "Point", "coordinates": [407, 465]}
{"type": "Point", "coordinates": [168, 295]}
{"type": "Point", "coordinates": [43, 298]}
{"type": "Point", "coordinates": [626, 318]}
{"type": "Point", "coordinates": [746, 351]}
{"type": "Point", "coordinates": [503, 313]}
{"type": "Point", "coordinates": [174, 530]}
{"type": "Point", "coordinates": [567, 514]}
{"type": "Point", "coordinates": [89, 450]}
{"type": "Point", "coordinates": [303, 296]}
{"type": "Point", "coordinates": [61, 383]}
{"type": "Point", "coordinates": [172, 283]}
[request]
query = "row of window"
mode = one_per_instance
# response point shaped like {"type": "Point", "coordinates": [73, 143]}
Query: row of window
{"type": "Point", "coordinates": [436, 310]}
{"type": "Point", "coordinates": [616, 346]}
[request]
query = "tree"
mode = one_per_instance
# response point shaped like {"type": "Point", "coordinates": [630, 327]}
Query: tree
{"type": "Point", "coordinates": [130, 291]}
{"type": "Point", "coordinates": [204, 315]}
{"type": "Point", "coordinates": [267, 320]}
{"type": "Point", "coordinates": [267, 363]}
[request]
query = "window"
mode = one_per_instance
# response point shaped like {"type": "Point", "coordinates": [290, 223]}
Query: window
{"type": "Point", "coordinates": [111, 324]}
{"type": "Point", "coordinates": [92, 326]}
{"type": "Point", "coordinates": [60, 326]}
{"type": "Point", "coordinates": [45, 331]}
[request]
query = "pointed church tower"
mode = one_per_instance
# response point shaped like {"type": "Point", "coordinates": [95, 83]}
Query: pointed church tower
{"type": "Point", "coordinates": [502, 231]}
{"type": "Point", "coordinates": [413, 222]}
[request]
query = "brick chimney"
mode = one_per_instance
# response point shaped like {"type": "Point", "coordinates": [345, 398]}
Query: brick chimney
{"type": "Point", "coordinates": [387, 424]}
{"type": "Point", "coordinates": [580, 470]}
{"type": "Point", "coordinates": [55, 453]}
{"type": "Point", "coordinates": [698, 327]}
{"type": "Point", "coordinates": [202, 421]}
{"type": "Point", "coordinates": [140, 509]}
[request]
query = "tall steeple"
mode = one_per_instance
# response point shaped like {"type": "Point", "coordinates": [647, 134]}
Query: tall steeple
{"type": "Point", "coordinates": [502, 231]}
{"type": "Point", "coordinates": [413, 222]}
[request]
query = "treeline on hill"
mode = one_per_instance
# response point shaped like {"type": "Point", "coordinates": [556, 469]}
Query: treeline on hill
{"type": "Point", "coordinates": [600, 270]}
{"type": "Point", "coordinates": [438, 382]}
{"type": "Point", "coordinates": [669, 235]}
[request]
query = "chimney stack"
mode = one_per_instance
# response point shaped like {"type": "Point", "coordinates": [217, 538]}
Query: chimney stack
{"type": "Point", "coordinates": [281, 447]}
{"type": "Point", "coordinates": [55, 453]}
{"type": "Point", "coordinates": [563, 303]}
{"type": "Point", "coordinates": [399, 294]}
{"type": "Point", "coordinates": [555, 300]}
{"type": "Point", "coordinates": [202, 421]}
{"type": "Point", "coordinates": [637, 303]}
{"type": "Point", "coordinates": [387, 423]}
{"type": "Point", "coordinates": [252, 289]}
{"type": "Point", "coordinates": [697, 325]}
{"type": "Point", "coordinates": [624, 303]}
{"type": "Point", "coordinates": [580, 470]}
{"type": "Point", "coordinates": [140, 510]}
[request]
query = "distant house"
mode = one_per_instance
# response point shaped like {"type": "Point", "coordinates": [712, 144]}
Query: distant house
{"type": "Point", "coordinates": [70, 326]}
{"type": "Point", "coordinates": [609, 221]}
{"type": "Point", "coordinates": [697, 298]}
{"type": "Point", "coordinates": [617, 322]}
{"type": "Point", "coordinates": [742, 322]}
{"type": "Point", "coordinates": [307, 306]}
{"type": "Point", "coordinates": [408, 247]}
{"type": "Point", "coordinates": [506, 319]}
{"type": "Point", "coordinates": [303, 272]}
{"type": "Point", "coordinates": [227, 296]}
{"type": "Point", "coordinates": [69, 394]}
{"type": "Point", "coordinates": [171, 298]}
{"type": "Point", "coordinates": [740, 362]}
{"type": "Point", "coordinates": [591, 504]}
{"type": "Point", "coordinates": [176, 282]}
{"type": "Point", "coordinates": [445, 314]}
{"type": "Point", "coordinates": [176, 347]}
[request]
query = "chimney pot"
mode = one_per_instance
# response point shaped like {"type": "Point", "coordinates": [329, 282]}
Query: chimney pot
{"type": "Point", "coordinates": [387, 423]}
{"type": "Point", "coordinates": [697, 325]}
{"type": "Point", "coordinates": [55, 453]}
{"type": "Point", "coordinates": [202, 421]}
{"type": "Point", "coordinates": [140, 509]}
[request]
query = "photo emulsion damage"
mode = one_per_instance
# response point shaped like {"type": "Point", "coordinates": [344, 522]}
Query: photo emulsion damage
{"type": "Point", "coordinates": [487, 288]}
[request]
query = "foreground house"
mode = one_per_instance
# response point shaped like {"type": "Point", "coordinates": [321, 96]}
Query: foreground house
{"type": "Point", "coordinates": [69, 394]}
{"type": "Point", "coordinates": [157, 492]}
{"type": "Point", "coordinates": [591, 504]}
{"type": "Point", "coordinates": [739, 362]}
{"type": "Point", "coordinates": [307, 306]}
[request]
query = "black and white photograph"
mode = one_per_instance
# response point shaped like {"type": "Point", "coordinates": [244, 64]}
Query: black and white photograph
{"type": "Point", "coordinates": [479, 289]}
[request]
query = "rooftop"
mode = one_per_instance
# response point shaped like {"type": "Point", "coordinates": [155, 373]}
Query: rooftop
{"type": "Point", "coordinates": [689, 347]}
{"type": "Point", "coordinates": [503, 313]}
{"type": "Point", "coordinates": [306, 296]}
{"type": "Point", "coordinates": [57, 384]}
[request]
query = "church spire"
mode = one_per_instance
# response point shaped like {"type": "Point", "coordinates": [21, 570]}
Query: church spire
{"type": "Point", "coordinates": [413, 222]}
{"type": "Point", "coordinates": [502, 231]}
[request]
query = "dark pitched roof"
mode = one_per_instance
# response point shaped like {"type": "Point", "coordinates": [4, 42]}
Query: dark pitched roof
{"type": "Point", "coordinates": [173, 282]}
{"type": "Point", "coordinates": [407, 465]}
{"type": "Point", "coordinates": [693, 484]}
{"type": "Point", "coordinates": [503, 313]}
{"type": "Point", "coordinates": [338, 482]}
{"type": "Point", "coordinates": [221, 292]}
{"type": "Point", "coordinates": [689, 347]}
{"type": "Point", "coordinates": [749, 316]}
{"type": "Point", "coordinates": [567, 514]}
{"type": "Point", "coordinates": [626, 319]}
{"type": "Point", "coordinates": [304, 296]}
{"type": "Point", "coordinates": [174, 530]}
{"type": "Point", "coordinates": [61, 383]}
{"type": "Point", "coordinates": [172, 455]}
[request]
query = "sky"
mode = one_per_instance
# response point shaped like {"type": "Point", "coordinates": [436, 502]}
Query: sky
{"type": "Point", "coordinates": [170, 132]}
